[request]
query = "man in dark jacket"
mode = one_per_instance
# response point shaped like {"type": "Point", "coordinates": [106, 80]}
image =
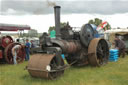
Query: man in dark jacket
{"type": "Point", "coordinates": [120, 45]}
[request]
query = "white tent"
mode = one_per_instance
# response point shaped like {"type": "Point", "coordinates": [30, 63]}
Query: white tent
{"type": "Point", "coordinates": [120, 31]}
{"type": "Point", "coordinates": [109, 35]}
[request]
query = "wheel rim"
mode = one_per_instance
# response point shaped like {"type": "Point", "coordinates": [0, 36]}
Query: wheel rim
{"type": "Point", "coordinates": [98, 52]}
{"type": "Point", "coordinates": [8, 53]}
{"type": "Point", "coordinates": [54, 66]}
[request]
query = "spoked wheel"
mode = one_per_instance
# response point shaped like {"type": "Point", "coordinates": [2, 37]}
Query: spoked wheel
{"type": "Point", "coordinates": [57, 70]}
{"type": "Point", "coordinates": [8, 53]}
{"type": "Point", "coordinates": [45, 66]}
{"type": "Point", "coordinates": [98, 52]}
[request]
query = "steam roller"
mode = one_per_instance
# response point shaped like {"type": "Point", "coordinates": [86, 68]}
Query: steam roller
{"type": "Point", "coordinates": [79, 47]}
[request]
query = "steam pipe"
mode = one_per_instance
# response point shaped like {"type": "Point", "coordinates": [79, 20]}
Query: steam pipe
{"type": "Point", "coordinates": [57, 21]}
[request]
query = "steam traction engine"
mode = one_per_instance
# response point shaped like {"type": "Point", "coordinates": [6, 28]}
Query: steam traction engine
{"type": "Point", "coordinates": [80, 48]}
{"type": "Point", "coordinates": [7, 43]}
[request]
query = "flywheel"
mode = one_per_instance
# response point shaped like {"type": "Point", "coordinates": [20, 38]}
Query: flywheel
{"type": "Point", "coordinates": [86, 34]}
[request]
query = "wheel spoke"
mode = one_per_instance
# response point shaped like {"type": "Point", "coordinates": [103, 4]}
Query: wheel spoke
{"type": "Point", "coordinates": [100, 51]}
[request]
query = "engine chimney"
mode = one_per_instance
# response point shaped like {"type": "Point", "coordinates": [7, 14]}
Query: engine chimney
{"type": "Point", "coordinates": [57, 21]}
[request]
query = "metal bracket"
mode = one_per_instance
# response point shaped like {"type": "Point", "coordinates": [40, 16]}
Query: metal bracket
{"type": "Point", "coordinates": [58, 53]}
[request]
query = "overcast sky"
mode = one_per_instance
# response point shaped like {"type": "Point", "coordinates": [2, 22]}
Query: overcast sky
{"type": "Point", "coordinates": [21, 7]}
{"type": "Point", "coordinates": [39, 13]}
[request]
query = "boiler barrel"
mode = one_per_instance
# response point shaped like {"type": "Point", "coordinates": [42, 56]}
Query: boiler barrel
{"type": "Point", "coordinates": [68, 46]}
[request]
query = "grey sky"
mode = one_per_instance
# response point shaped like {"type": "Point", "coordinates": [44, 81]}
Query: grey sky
{"type": "Point", "coordinates": [22, 7]}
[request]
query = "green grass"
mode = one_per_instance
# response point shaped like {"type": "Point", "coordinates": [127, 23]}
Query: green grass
{"type": "Point", "coordinates": [114, 73]}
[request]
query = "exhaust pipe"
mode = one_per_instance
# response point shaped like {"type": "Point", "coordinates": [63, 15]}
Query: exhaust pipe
{"type": "Point", "coordinates": [57, 21]}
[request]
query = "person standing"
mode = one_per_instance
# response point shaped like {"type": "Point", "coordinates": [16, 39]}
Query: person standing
{"type": "Point", "coordinates": [15, 51]}
{"type": "Point", "coordinates": [27, 50]}
{"type": "Point", "coordinates": [120, 45]}
{"type": "Point", "coordinates": [32, 45]}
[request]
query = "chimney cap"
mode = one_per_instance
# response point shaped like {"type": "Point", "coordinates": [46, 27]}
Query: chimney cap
{"type": "Point", "coordinates": [57, 7]}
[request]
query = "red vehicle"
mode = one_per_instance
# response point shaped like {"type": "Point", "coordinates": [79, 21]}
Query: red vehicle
{"type": "Point", "coordinates": [7, 43]}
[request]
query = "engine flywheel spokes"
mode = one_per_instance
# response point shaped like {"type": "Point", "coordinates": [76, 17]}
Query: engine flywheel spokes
{"type": "Point", "coordinates": [98, 52]}
{"type": "Point", "coordinates": [8, 53]}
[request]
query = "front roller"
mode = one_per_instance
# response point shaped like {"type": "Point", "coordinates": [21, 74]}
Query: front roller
{"type": "Point", "coordinates": [45, 66]}
{"type": "Point", "coordinates": [98, 52]}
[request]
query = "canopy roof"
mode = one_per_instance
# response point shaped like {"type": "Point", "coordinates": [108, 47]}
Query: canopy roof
{"type": "Point", "coordinates": [117, 31]}
{"type": "Point", "coordinates": [13, 27]}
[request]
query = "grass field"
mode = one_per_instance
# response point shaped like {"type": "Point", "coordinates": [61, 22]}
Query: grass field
{"type": "Point", "coordinates": [114, 73]}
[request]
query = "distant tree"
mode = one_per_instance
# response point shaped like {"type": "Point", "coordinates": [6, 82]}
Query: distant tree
{"type": "Point", "coordinates": [53, 27]}
{"type": "Point", "coordinates": [98, 22]}
{"type": "Point", "coordinates": [32, 33]}
{"type": "Point", "coordinates": [25, 35]}
{"type": "Point", "coordinates": [91, 22]}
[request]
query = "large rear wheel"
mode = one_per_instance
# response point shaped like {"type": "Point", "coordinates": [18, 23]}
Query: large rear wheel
{"type": "Point", "coordinates": [98, 52]}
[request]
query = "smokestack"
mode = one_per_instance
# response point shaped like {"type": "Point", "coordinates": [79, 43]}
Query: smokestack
{"type": "Point", "coordinates": [57, 21]}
